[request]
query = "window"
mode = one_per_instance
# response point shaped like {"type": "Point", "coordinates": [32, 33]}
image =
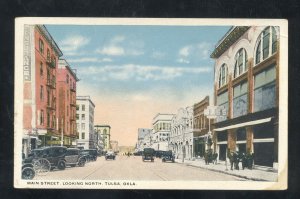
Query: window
{"type": "Point", "coordinates": [83, 116]}
{"type": "Point", "coordinates": [67, 110]}
{"type": "Point", "coordinates": [41, 46]}
{"type": "Point", "coordinates": [77, 116]}
{"type": "Point", "coordinates": [48, 119]}
{"type": "Point", "coordinates": [266, 44]}
{"type": "Point", "coordinates": [42, 117]}
{"type": "Point", "coordinates": [222, 100]}
{"type": "Point", "coordinates": [265, 89]}
{"type": "Point", "coordinates": [240, 63]}
{"type": "Point", "coordinates": [67, 79]}
{"type": "Point", "coordinates": [48, 54]}
{"type": "Point", "coordinates": [223, 75]}
{"type": "Point", "coordinates": [77, 126]}
{"type": "Point", "coordinates": [83, 135]}
{"type": "Point", "coordinates": [240, 100]}
{"type": "Point", "coordinates": [77, 107]}
{"type": "Point", "coordinates": [83, 126]}
{"type": "Point", "coordinates": [83, 107]}
{"type": "Point", "coordinates": [41, 69]}
{"type": "Point", "coordinates": [48, 97]}
{"type": "Point", "coordinates": [42, 93]}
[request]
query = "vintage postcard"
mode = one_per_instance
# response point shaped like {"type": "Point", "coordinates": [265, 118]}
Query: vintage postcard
{"type": "Point", "coordinates": [127, 103]}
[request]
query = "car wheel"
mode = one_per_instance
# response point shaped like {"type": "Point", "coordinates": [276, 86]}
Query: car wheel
{"type": "Point", "coordinates": [41, 166]}
{"type": "Point", "coordinates": [81, 162]}
{"type": "Point", "coordinates": [28, 173]}
{"type": "Point", "coordinates": [61, 165]}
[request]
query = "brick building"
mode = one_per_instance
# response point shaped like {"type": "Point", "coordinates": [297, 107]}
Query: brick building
{"type": "Point", "coordinates": [40, 56]}
{"type": "Point", "coordinates": [247, 85]}
{"type": "Point", "coordinates": [200, 128]}
{"type": "Point", "coordinates": [66, 85]}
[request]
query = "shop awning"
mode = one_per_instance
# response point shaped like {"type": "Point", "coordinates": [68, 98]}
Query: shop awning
{"type": "Point", "coordinates": [251, 123]}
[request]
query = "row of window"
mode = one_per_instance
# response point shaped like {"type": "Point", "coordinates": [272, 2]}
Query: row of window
{"type": "Point", "coordinates": [264, 95]}
{"type": "Point", "coordinates": [266, 46]}
{"type": "Point", "coordinates": [41, 49]}
{"type": "Point", "coordinates": [82, 116]}
{"type": "Point", "coordinates": [162, 126]}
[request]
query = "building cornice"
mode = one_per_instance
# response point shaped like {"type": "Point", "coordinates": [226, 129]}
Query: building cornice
{"type": "Point", "coordinates": [233, 34]}
{"type": "Point", "coordinates": [43, 30]}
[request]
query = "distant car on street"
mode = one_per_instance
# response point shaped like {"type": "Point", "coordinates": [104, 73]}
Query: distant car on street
{"type": "Point", "coordinates": [110, 155]}
{"type": "Point", "coordinates": [168, 156]}
{"type": "Point", "coordinates": [73, 157]}
{"type": "Point", "coordinates": [148, 154]}
{"type": "Point", "coordinates": [92, 154]}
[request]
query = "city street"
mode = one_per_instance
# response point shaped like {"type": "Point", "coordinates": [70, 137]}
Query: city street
{"type": "Point", "coordinates": [133, 168]}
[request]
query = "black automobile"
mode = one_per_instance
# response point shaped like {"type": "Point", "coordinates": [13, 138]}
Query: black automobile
{"type": "Point", "coordinates": [148, 154]}
{"type": "Point", "coordinates": [110, 155]}
{"type": "Point", "coordinates": [168, 156]}
{"type": "Point", "coordinates": [47, 157]}
{"type": "Point", "coordinates": [92, 154]}
{"type": "Point", "coordinates": [159, 153]}
{"type": "Point", "coordinates": [73, 158]}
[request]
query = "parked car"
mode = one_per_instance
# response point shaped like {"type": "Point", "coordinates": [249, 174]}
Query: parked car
{"type": "Point", "coordinates": [73, 157]}
{"type": "Point", "coordinates": [92, 154]}
{"type": "Point", "coordinates": [110, 155]}
{"type": "Point", "coordinates": [159, 153]}
{"type": "Point", "coordinates": [47, 158]}
{"type": "Point", "coordinates": [28, 173]}
{"type": "Point", "coordinates": [168, 156]}
{"type": "Point", "coordinates": [148, 154]}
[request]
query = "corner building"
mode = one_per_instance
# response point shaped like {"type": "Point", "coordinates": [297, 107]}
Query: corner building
{"type": "Point", "coordinates": [40, 56]}
{"type": "Point", "coordinates": [246, 85]}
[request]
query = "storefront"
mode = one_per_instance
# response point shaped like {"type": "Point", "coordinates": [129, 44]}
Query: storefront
{"type": "Point", "coordinates": [199, 147]}
{"type": "Point", "coordinates": [222, 144]}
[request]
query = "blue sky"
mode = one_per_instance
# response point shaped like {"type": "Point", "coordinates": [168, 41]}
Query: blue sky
{"type": "Point", "coordinates": [163, 67]}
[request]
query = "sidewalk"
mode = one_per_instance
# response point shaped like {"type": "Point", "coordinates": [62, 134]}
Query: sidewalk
{"type": "Point", "coordinates": [256, 174]}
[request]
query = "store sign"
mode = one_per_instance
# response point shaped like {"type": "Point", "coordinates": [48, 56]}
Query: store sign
{"type": "Point", "coordinates": [26, 54]}
{"type": "Point", "coordinates": [213, 112]}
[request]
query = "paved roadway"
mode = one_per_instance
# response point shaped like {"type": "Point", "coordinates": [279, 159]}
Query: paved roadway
{"type": "Point", "coordinates": [133, 168]}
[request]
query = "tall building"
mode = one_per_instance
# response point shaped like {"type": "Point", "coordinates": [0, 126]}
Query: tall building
{"type": "Point", "coordinates": [103, 136]}
{"type": "Point", "coordinates": [161, 131]}
{"type": "Point", "coordinates": [200, 127]}
{"type": "Point", "coordinates": [181, 134]}
{"type": "Point", "coordinates": [85, 122]}
{"type": "Point", "coordinates": [143, 138]}
{"type": "Point", "coordinates": [247, 85]}
{"type": "Point", "coordinates": [40, 56]}
{"type": "Point", "coordinates": [66, 85]}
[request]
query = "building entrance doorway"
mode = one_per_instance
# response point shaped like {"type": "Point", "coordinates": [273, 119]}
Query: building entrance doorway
{"type": "Point", "coordinates": [222, 151]}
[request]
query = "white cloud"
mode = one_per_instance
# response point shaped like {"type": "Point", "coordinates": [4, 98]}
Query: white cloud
{"type": "Point", "coordinates": [118, 47]}
{"type": "Point", "coordinates": [111, 50]}
{"type": "Point", "coordinates": [141, 72]}
{"type": "Point", "coordinates": [73, 43]}
{"type": "Point", "coordinates": [194, 51]}
{"type": "Point", "coordinates": [89, 59]}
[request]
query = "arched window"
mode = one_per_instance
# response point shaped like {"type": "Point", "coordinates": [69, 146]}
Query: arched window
{"type": "Point", "coordinates": [266, 44]}
{"type": "Point", "coordinates": [223, 75]}
{"type": "Point", "coordinates": [240, 65]}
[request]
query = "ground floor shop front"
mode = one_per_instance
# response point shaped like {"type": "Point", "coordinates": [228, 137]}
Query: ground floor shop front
{"type": "Point", "coordinates": [258, 137]}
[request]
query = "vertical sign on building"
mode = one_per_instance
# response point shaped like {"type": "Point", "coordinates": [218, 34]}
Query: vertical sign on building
{"type": "Point", "coordinates": [26, 54]}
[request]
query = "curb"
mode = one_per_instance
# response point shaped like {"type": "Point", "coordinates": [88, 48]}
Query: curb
{"type": "Point", "coordinates": [225, 172]}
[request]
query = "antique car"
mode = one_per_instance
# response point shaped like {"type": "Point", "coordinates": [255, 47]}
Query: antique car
{"type": "Point", "coordinates": [148, 154]}
{"type": "Point", "coordinates": [110, 155]}
{"type": "Point", "coordinates": [92, 154]}
{"type": "Point", "coordinates": [28, 172]}
{"type": "Point", "coordinates": [168, 156]}
{"type": "Point", "coordinates": [47, 158]}
{"type": "Point", "coordinates": [73, 158]}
